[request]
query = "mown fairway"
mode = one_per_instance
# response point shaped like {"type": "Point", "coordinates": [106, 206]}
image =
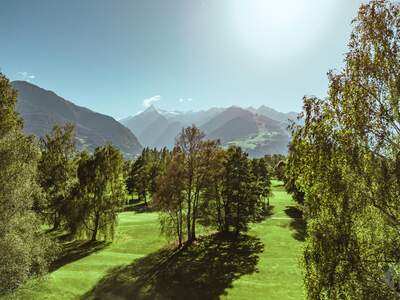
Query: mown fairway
{"type": "Point", "coordinates": [279, 275]}
{"type": "Point", "coordinates": [264, 265]}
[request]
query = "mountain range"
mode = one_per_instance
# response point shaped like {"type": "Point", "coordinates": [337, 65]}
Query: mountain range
{"type": "Point", "coordinates": [42, 109]}
{"type": "Point", "coordinates": [259, 131]}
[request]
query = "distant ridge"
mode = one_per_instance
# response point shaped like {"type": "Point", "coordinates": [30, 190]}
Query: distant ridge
{"type": "Point", "coordinates": [274, 114]}
{"type": "Point", "coordinates": [259, 131]}
{"type": "Point", "coordinates": [42, 109]}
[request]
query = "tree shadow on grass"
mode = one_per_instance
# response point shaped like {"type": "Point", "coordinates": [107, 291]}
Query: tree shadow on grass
{"type": "Point", "coordinates": [203, 270]}
{"type": "Point", "coordinates": [266, 213]}
{"type": "Point", "coordinates": [75, 250]}
{"type": "Point", "coordinates": [297, 223]}
{"type": "Point", "coordinates": [279, 186]}
{"type": "Point", "coordinates": [269, 211]}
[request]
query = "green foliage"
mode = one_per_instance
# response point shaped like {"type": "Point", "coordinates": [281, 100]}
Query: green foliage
{"type": "Point", "coordinates": [240, 191]}
{"type": "Point", "coordinates": [345, 159]}
{"type": "Point", "coordinates": [170, 198]}
{"type": "Point", "coordinates": [138, 179]}
{"type": "Point", "coordinates": [142, 174]}
{"type": "Point", "coordinates": [212, 212]}
{"type": "Point", "coordinates": [101, 190]}
{"type": "Point", "coordinates": [187, 160]}
{"type": "Point", "coordinates": [24, 250]}
{"type": "Point", "coordinates": [272, 161]}
{"type": "Point", "coordinates": [190, 142]}
{"type": "Point", "coordinates": [203, 183]}
{"type": "Point", "coordinates": [9, 117]}
{"type": "Point", "coordinates": [262, 177]}
{"type": "Point", "coordinates": [292, 173]}
{"type": "Point", "coordinates": [57, 173]}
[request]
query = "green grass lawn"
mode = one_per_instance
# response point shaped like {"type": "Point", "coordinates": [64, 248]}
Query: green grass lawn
{"type": "Point", "coordinates": [262, 265]}
{"type": "Point", "coordinates": [279, 273]}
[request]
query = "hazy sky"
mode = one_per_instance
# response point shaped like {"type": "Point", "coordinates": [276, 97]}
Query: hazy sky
{"type": "Point", "coordinates": [118, 56]}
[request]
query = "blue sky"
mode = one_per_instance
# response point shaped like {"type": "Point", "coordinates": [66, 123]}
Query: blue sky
{"type": "Point", "coordinates": [118, 56]}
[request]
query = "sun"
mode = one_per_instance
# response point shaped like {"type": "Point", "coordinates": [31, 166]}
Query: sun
{"type": "Point", "coordinates": [280, 28]}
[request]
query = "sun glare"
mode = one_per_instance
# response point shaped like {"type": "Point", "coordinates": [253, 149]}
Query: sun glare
{"type": "Point", "coordinates": [279, 28]}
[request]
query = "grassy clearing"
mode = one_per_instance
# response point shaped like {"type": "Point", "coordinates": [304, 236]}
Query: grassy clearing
{"type": "Point", "coordinates": [261, 265]}
{"type": "Point", "coordinates": [279, 273]}
{"type": "Point", "coordinates": [251, 142]}
{"type": "Point", "coordinates": [137, 236]}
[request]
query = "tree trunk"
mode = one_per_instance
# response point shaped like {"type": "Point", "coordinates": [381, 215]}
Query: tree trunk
{"type": "Point", "coordinates": [237, 218]}
{"type": "Point", "coordinates": [96, 227]}
{"type": "Point", "coordinates": [145, 199]}
{"type": "Point", "coordinates": [194, 217]}
{"type": "Point", "coordinates": [180, 235]}
{"type": "Point", "coordinates": [227, 216]}
{"type": "Point", "coordinates": [57, 222]}
{"type": "Point", "coordinates": [188, 216]}
{"type": "Point", "coordinates": [219, 213]}
{"type": "Point", "coordinates": [180, 222]}
{"type": "Point", "coordinates": [189, 232]}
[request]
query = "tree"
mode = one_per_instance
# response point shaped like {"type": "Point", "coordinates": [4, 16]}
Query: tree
{"type": "Point", "coordinates": [272, 161]}
{"type": "Point", "coordinates": [187, 178]}
{"type": "Point", "coordinates": [190, 142]}
{"type": "Point", "coordinates": [240, 191]}
{"type": "Point", "coordinates": [144, 171]}
{"type": "Point", "coordinates": [205, 184]}
{"type": "Point", "coordinates": [57, 171]}
{"type": "Point", "coordinates": [262, 178]}
{"type": "Point", "coordinates": [170, 197]}
{"type": "Point", "coordinates": [211, 209]}
{"type": "Point", "coordinates": [346, 161]}
{"type": "Point", "coordinates": [102, 190]}
{"type": "Point", "coordinates": [292, 174]}
{"type": "Point", "coordinates": [128, 183]}
{"type": "Point", "coordinates": [9, 117]}
{"type": "Point", "coordinates": [138, 180]}
{"type": "Point", "coordinates": [155, 166]}
{"type": "Point", "coordinates": [24, 249]}
{"type": "Point", "coordinates": [279, 170]}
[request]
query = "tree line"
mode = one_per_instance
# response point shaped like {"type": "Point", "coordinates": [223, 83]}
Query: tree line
{"type": "Point", "coordinates": [50, 186]}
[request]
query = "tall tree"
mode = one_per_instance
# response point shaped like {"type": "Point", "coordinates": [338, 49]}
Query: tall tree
{"type": "Point", "coordinates": [170, 198]}
{"type": "Point", "coordinates": [57, 171]}
{"type": "Point", "coordinates": [102, 190]}
{"type": "Point", "coordinates": [293, 173]}
{"type": "Point", "coordinates": [9, 117]}
{"type": "Point", "coordinates": [189, 171]}
{"type": "Point", "coordinates": [240, 191]}
{"type": "Point", "coordinates": [262, 178]}
{"type": "Point", "coordinates": [138, 179]}
{"type": "Point", "coordinates": [24, 249]}
{"type": "Point", "coordinates": [144, 171]}
{"type": "Point", "coordinates": [213, 204]}
{"type": "Point", "coordinates": [190, 142]}
{"type": "Point", "coordinates": [346, 161]}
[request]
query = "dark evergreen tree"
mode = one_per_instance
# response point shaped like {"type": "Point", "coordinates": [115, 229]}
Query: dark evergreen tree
{"type": "Point", "coordinates": [240, 191]}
